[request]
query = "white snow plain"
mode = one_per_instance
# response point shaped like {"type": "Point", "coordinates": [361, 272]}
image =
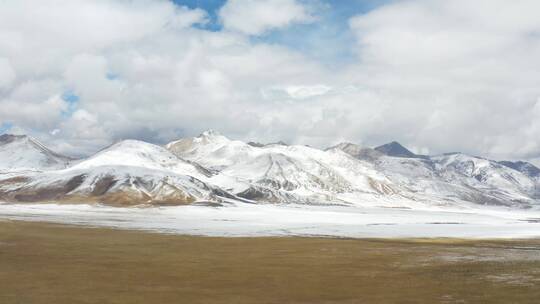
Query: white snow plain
{"type": "Point", "coordinates": [241, 219]}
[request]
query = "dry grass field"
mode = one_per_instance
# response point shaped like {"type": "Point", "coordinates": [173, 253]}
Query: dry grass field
{"type": "Point", "coordinates": [47, 263]}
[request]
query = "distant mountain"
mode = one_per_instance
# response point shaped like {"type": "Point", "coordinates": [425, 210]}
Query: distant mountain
{"type": "Point", "coordinates": [454, 175]}
{"type": "Point", "coordinates": [256, 144]}
{"type": "Point", "coordinates": [523, 167]}
{"type": "Point", "coordinates": [357, 151]}
{"type": "Point", "coordinates": [23, 152]}
{"type": "Point", "coordinates": [213, 168]}
{"type": "Point", "coordinates": [395, 149]}
{"type": "Point", "coordinates": [259, 145]}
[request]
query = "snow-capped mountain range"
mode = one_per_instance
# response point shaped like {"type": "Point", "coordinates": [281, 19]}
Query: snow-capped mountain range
{"type": "Point", "coordinates": [212, 168]}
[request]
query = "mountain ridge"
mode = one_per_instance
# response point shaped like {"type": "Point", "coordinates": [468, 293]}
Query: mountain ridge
{"type": "Point", "coordinates": [212, 167]}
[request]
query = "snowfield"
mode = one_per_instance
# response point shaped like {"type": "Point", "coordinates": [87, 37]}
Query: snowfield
{"type": "Point", "coordinates": [241, 219]}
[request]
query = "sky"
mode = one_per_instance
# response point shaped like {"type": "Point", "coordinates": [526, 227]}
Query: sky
{"type": "Point", "coordinates": [436, 75]}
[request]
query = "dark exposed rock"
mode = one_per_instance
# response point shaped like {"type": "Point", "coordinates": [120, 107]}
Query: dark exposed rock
{"type": "Point", "coordinates": [103, 185]}
{"type": "Point", "coordinates": [395, 149]}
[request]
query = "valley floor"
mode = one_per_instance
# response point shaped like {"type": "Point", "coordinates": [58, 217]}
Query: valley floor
{"type": "Point", "coordinates": [240, 220]}
{"type": "Point", "coordinates": [51, 263]}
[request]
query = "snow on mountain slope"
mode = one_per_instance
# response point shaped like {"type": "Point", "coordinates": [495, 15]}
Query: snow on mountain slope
{"type": "Point", "coordinates": [127, 173]}
{"type": "Point", "coordinates": [453, 177]}
{"type": "Point", "coordinates": [113, 185]}
{"type": "Point", "coordinates": [492, 178]}
{"type": "Point", "coordinates": [281, 173]}
{"type": "Point", "coordinates": [213, 168]}
{"type": "Point", "coordinates": [141, 154]}
{"type": "Point", "coordinates": [412, 178]}
{"type": "Point", "coordinates": [430, 179]}
{"type": "Point", "coordinates": [211, 149]}
{"type": "Point", "coordinates": [524, 167]}
{"type": "Point", "coordinates": [21, 152]}
{"type": "Point", "coordinates": [486, 172]}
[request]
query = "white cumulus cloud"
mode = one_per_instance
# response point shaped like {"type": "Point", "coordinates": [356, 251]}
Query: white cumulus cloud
{"type": "Point", "coordinates": [255, 17]}
{"type": "Point", "coordinates": [436, 75]}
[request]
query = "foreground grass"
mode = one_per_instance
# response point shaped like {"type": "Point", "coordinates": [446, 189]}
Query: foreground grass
{"type": "Point", "coordinates": [47, 263]}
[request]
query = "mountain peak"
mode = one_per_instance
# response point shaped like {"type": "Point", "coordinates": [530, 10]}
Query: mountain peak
{"type": "Point", "coordinates": [357, 151]}
{"type": "Point", "coordinates": [23, 139]}
{"type": "Point", "coordinates": [212, 136]}
{"type": "Point", "coordinates": [25, 152]}
{"type": "Point", "coordinates": [395, 149]}
{"type": "Point", "coordinates": [210, 133]}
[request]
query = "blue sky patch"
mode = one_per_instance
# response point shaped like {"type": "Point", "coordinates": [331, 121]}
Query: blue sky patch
{"type": "Point", "coordinates": [327, 40]}
{"type": "Point", "coordinates": [72, 100]}
{"type": "Point", "coordinates": [111, 76]}
{"type": "Point", "coordinates": [210, 6]}
{"type": "Point", "coordinates": [5, 127]}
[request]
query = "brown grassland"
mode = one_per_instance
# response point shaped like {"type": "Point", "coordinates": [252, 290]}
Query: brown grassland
{"type": "Point", "coordinates": [48, 263]}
